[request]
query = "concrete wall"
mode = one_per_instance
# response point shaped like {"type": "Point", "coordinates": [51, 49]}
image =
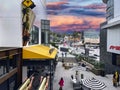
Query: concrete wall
{"type": "Point", "coordinates": [10, 23]}
{"type": "Point", "coordinates": [116, 8]}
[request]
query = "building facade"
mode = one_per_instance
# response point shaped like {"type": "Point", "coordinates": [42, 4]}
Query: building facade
{"type": "Point", "coordinates": [15, 17]}
{"type": "Point", "coordinates": [20, 38]}
{"type": "Point", "coordinates": [110, 37]}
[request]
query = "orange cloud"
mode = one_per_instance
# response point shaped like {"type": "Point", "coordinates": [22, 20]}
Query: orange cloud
{"type": "Point", "coordinates": [56, 3]}
{"type": "Point", "coordinates": [67, 20]}
{"type": "Point", "coordinates": [64, 20]}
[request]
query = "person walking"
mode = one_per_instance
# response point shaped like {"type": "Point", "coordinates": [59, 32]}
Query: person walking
{"type": "Point", "coordinates": [117, 77]}
{"type": "Point", "coordinates": [114, 80]}
{"type": "Point", "coordinates": [61, 83]}
{"type": "Point", "coordinates": [73, 79]}
{"type": "Point", "coordinates": [76, 75]}
{"type": "Point", "coordinates": [62, 54]}
{"type": "Point", "coordinates": [65, 54]}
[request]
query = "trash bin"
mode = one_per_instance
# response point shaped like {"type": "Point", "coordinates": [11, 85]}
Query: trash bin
{"type": "Point", "coordinates": [103, 73]}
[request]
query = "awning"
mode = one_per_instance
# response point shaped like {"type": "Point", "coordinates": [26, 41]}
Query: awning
{"type": "Point", "coordinates": [39, 52]}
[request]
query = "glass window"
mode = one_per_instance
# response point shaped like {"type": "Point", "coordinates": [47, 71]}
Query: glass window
{"type": "Point", "coordinates": [3, 67]}
{"type": "Point", "coordinates": [110, 9]}
{"type": "Point", "coordinates": [34, 35]}
{"type": "Point", "coordinates": [45, 24]}
{"type": "Point", "coordinates": [7, 64]}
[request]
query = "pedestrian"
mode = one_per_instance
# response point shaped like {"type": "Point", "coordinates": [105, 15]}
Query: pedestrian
{"type": "Point", "coordinates": [76, 75]}
{"type": "Point", "coordinates": [114, 80]}
{"type": "Point", "coordinates": [73, 79]}
{"type": "Point", "coordinates": [61, 83]}
{"type": "Point", "coordinates": [65, 54]}
{"type": "Point", "coordinates": [62, 54]}
{"type": "Point", "coordinates": [117, 77]}
{"type": "Point", "coordinates": [71, 76]}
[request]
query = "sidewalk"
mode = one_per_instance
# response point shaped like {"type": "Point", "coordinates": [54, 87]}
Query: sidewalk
{"type": "Point", "coordinates": [66, 74]}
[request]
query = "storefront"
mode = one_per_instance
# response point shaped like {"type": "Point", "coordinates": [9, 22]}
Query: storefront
{"type": "Point", "coordinates": [40, 62]}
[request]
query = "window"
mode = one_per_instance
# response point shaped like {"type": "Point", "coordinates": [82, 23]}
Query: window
{"type": "Point", "coordinates": [34, 35]}
{"type": "Point", "coordinates": [45, 25]}
{"type": "Point", "coordinates": [2, 67]}
{"type": "Point", "coordinates": [110, 9]}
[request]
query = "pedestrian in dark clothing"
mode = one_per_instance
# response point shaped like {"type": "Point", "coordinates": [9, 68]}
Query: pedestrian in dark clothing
{"type": "Point", "coordinates": [71, 76]}
{"type": "Point", "coordinates": [114, 80]}
{"type": "Point", "coordinates": [61, 83]}
{"type": "Point", "coordinates": [117, 77]}
{"type": "Point", "coordinates": [62, 54]}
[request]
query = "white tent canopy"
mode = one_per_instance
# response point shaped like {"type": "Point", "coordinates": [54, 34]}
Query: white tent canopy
{"type": "Point", "coordinates": [93, 84]}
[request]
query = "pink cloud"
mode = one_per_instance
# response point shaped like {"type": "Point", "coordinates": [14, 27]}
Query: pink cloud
{"type": "Point", "coordinates": [65, 23]}
{"type": "Point", "coordinates": [64, 20]}
{"type": "Point", "coordinates": [56, 3]}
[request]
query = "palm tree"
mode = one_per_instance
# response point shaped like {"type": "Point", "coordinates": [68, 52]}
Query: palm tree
{"type": "Point", "coordinates": [75, 35]}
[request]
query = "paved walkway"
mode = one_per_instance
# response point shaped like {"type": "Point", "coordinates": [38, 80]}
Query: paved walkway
{"type": "Point", "coordinates": [61, 72]}
{"type": "Point", "coordinates": [66, 74]}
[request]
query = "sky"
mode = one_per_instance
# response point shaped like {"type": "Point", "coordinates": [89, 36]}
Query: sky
{"type": "Point", "coordinates": [67, 16]}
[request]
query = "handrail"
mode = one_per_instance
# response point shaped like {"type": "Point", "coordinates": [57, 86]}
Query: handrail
{"type": "Point", "coordinates": [24, 86]}
{"type": "Point", "coordinates": [47, 82]}
{"type": "Point", "coordinates": [42, 86]}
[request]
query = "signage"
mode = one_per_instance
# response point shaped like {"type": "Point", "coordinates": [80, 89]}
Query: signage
{"type": "Point", "coordinates": [115, 47]}
{"type": "Point", "coordinates": [27, 3]}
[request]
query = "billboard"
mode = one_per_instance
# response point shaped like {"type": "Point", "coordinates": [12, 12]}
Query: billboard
{"type": "Point", "coordinates": [63, 49]}
{"type": "Point", "coordinates": [113, 40]}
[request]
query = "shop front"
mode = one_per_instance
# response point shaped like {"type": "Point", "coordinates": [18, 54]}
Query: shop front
{"type": "Point", "coordinates": [40, 61]}
{"type": "Point", "coordinates": [20, 27]}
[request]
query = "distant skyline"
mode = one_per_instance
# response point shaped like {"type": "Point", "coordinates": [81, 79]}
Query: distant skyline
{"type": "Point", "coordinates": [75, 15]}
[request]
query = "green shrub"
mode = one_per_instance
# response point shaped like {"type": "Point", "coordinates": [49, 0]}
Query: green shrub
{"type": "Point", "coordinates": [53, 44]}
{"type": "Point", "coordinates": [97, 65]}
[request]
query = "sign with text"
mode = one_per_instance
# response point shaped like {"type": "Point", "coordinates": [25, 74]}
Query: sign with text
{"type": "Point", "coordinates": [115, 47]}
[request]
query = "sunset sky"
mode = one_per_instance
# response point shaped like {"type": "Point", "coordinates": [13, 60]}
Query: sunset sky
{"type": "Point", "coordinates": [75, 15]}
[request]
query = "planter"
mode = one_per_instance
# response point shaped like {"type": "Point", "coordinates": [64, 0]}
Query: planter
{"type": "Point", "coordinates": [98, 72]}
{"type": "Point", "coordinates": [103, 73]}
{"type": "Point", "coordinates": [88, 64]}
{"type": "Point", "coordinates": [63, 64]}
